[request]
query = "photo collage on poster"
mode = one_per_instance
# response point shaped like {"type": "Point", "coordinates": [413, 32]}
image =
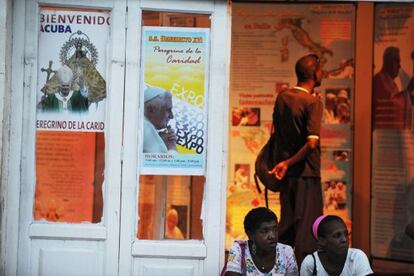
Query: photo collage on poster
{"type": "Point", "coordinates": [267, 40]}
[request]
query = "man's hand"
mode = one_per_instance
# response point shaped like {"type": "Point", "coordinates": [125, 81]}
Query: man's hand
{"type": "Point", "coordinates": [81, 83]}
{"type": "Point", "coordinates": [44, 98]}
{"type": "Point", "coordinates": [169, 138]}
{"type": "Point", "coordinates": [279, 170]}
{"type": "Point", "coordinates": [409, 229]}
{"type": "Point", "coordinates": [82, 88]}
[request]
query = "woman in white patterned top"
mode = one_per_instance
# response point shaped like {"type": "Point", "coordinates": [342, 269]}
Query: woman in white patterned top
{"type": "Point", "coordinates": [261, 254]}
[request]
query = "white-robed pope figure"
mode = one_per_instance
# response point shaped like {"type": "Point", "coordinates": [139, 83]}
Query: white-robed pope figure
{"type": "Point", "coordinates": [159, 137]}
{"type": "Point", "coordinates": [66, 99]}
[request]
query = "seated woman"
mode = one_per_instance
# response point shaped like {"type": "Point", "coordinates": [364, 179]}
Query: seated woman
{"type": "Point", "coordinates": [262, 254]}
{"type": "Point", "coordinates": [334, 256]}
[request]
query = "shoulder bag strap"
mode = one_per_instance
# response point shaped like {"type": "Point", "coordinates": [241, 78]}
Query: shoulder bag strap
{"type": "Point", "coordinates": [257, 183]}
{"type": "Point", "coordinates": [243, 245]}
{"type": "Point", "coordinates": [266, 197]}
{"type": "Point", "coordinates": [314, 271]}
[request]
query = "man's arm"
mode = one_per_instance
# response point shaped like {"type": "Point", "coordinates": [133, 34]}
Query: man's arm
{"type": "Point", "coordinates": [410, 89]}
{"type": "Point", "coordinates": [409, 229]}
{"type": "Point", "coordinates": [404, 92]}
{"type": "Point", "coordinates": [281, 168]}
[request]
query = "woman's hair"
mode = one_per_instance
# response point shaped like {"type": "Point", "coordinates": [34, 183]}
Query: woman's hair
{"type": "Point", "coordinates": [323, 225]}
{"type": "Point", "coordinates": [256, 217]}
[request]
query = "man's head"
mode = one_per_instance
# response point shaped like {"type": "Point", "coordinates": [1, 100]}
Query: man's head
{"type": "Point", "coordinates": [65, 78]}
{"type": "Point", "coordinates": [307, 69]}
{"type": "Point", "coordinates": [391, 61]}
{"type": "Point", "coordinates": [343, 111]}
{"type": "Point", "coordinates": [158, 106]}
{"type": "Point", "coordinates": [342, 96]}
{"type": "Point", "coordinates": [172, 218]}
{"type": "Point", "coordinates": [330, 100]}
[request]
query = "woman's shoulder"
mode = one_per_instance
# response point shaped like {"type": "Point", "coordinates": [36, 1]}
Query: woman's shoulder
{"type": "Point", "coordinates": [310, 264]}
{"type": "Point", "coordinates": [240, 242]}
{"type": "Point", "coordinates": [358, 262]}
{"type": "Point", "coordinates": [357, 256]}
{"type": "Point", "coordinates": [355, 253]}
{"type": "Point", "coordinates": [238, 245]}
{"type": "Point", "coordinates": [284, 248]}
{"type": "Point", "coordinates": [308, 260]}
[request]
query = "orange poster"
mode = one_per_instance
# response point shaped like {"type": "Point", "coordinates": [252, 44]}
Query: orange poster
{"type": "Point", "coordinates": [65, 164]}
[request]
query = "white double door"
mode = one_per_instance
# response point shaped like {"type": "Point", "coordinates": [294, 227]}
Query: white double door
{"type": "Point", "coordinates": [111, 247]}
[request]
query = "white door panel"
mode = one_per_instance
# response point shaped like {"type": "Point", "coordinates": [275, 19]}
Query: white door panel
{"type": "Point", "coordinates": [47, 248]}
{"type": "Point", "coordinates": [167, 257]}
{"type": "Point", "coordinates": [66, 258]}
{"type": "Point", "coordinates": [165, 266]}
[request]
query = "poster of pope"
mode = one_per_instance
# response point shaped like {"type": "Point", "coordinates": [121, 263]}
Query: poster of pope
{"type": "Point", "coordinates": [72, 54]}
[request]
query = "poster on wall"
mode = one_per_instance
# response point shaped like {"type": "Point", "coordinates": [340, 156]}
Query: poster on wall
{"type": "Point", "coordinates": [70, 113]}
{"type": "Point", "coordinates": [64, 184]}
{"type": "Point", "coordinates": [174, 96]}
{"type": "Point", "coordinates": [392, 209]}
{"type": "Point", "coordinates": [267, 40]}
{"type": "Point", "coordinates": [71, 88]}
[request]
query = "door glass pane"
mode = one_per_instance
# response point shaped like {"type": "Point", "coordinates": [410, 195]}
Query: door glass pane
{"type": "Point", "coordinates": [71, 93]}
{"type": "Point", "coordinates": [170, 205]}
{"type": "Point", "coordinates": [392, 188]}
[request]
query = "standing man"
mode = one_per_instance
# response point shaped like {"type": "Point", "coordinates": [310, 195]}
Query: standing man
{"type": "Point", "coordinates": [159, 137]}
{"type": "Point", "coordinates": [392, 106]}
{"type": "Point", "coordinates": [297, 119]}
{"type": "Point", "coordinates": [66, 99]}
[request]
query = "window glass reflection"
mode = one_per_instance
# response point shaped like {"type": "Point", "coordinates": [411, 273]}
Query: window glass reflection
{"type": "Point", "coordinates": [170, 207]}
